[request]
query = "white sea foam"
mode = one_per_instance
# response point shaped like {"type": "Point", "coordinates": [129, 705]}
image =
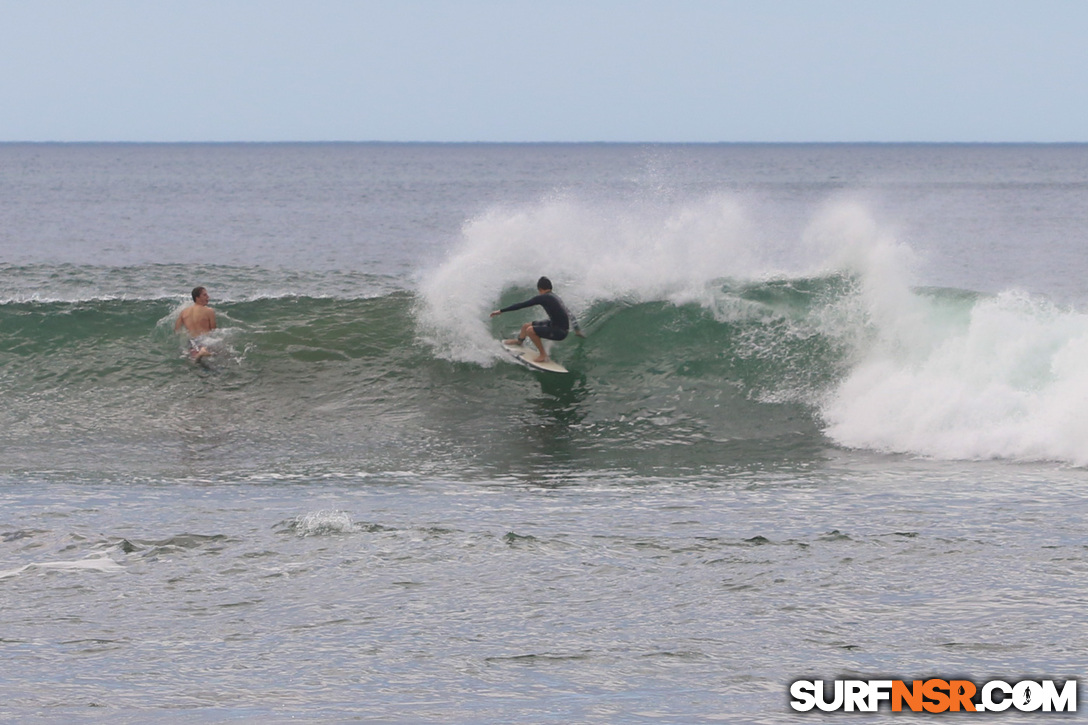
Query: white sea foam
{"type": "Point", "coordinates": [1010, 382]}
{"type": "Point", "coordinates": [591, 252]}
{"type": "Point", "coordinates": [992, 377]}
{"type": "Point", "coordinates": [321, 523]}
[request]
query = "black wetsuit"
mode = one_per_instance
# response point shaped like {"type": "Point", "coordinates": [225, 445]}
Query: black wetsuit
{"type": "Point", "coordinates": [559, 321]}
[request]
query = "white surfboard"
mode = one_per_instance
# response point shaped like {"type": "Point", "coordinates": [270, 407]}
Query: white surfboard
{"type": "Point", "coordinates": [525, 354]}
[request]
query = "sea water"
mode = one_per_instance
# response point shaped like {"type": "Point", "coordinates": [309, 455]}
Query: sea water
{"type": "Point", "coordinates": [828, 422]}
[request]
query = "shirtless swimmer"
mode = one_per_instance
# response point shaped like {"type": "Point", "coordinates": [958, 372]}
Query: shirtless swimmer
{"type": "Point", "coordinates": [197, 319]}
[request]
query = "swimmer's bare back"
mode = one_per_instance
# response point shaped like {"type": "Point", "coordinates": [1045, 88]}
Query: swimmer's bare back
{"type": "Point", "coordinates": [197, 320]}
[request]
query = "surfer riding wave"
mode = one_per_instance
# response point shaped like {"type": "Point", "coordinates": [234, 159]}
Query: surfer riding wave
{"type": "Point", "coordinates": [556, 327]}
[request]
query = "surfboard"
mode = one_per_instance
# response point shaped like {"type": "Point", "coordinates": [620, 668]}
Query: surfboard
{"type": "Point", "coordinates": [524, 354]}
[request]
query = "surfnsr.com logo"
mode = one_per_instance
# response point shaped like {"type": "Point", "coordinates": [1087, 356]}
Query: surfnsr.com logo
{"type": "Point", "coordinates": [933, 695]}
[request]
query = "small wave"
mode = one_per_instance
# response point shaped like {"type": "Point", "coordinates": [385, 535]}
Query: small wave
{"type": "Point", "coordinates": [322, 523]}
{"type": "Point", "coordinates": [74, 283]}
{"type": "Point", "coordinates": [98, 562]}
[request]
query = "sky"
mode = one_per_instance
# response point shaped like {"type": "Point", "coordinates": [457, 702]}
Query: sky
{"type": "Point", "coordinates": [544, 70]}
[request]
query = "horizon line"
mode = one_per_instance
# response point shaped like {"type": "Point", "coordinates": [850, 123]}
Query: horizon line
{"type": "Point", "coordinates": [375, 142]}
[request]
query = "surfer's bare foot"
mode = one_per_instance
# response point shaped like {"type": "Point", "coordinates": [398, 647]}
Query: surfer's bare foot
{"type": "Point", "coordinates": [540, 359]}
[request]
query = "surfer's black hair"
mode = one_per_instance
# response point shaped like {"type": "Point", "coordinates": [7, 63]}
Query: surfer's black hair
{"type": "Point", "coordinates": [543, 283]}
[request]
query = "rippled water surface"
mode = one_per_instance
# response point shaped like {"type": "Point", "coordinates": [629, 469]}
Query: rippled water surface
{"type": "Point", "coordinates": [828, 422]}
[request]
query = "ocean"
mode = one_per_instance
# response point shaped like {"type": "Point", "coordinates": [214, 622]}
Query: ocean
{"type": "Point", "coordinates": [829, 422]}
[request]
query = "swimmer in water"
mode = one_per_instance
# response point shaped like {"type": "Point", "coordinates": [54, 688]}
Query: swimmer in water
{"type": "Point", "coordinates": [198, 319]}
